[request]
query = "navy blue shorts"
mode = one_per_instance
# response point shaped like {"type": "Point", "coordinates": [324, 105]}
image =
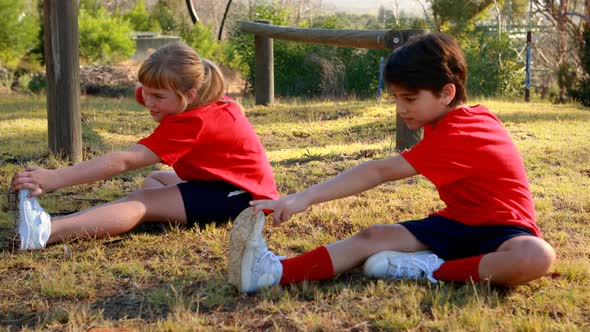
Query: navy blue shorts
{"type": "Point", "coordinates": [450, 239]}
{"type": "Point", "coordinates": [212, 201]}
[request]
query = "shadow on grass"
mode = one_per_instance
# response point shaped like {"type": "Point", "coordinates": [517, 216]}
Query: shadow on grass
{"type": "Point", "coordinates": [212, 294]}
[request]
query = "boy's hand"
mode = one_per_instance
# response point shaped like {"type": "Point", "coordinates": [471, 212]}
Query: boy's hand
{"type": "Point", "coordinates": [38, 180]}
{"type": "Point", "coordinates": [282, 209]}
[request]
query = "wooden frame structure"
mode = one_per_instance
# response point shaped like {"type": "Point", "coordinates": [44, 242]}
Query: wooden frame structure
{"type": "Point", "coordinates": [264, 33]}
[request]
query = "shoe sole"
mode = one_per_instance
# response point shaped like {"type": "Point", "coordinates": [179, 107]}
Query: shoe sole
{"type": "Point", "coordinates": [246, 228]}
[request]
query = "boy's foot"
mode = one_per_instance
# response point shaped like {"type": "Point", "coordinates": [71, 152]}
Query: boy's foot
{"type": "Point", "coordinates": [251, 265]}
{"type": "Point", "coordinates": [402, 265]}
{"type": "Point", "coordinates": [34, 224]}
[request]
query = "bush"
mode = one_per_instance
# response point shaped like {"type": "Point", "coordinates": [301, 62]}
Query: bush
{"type": "Point", "coordinates": [200, 37]}
{"type": "Point", "coordinates": [581, 91]}
{"type": "Point", "coordinates": [18, 31]}
{"type": "Point", "coordinates": [493, 66]}
{"type": "Point", "coordinates": [104, 38]}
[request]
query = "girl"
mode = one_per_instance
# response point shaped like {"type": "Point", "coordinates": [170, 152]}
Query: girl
{"type": "Point", "coordinates": [218, 160]}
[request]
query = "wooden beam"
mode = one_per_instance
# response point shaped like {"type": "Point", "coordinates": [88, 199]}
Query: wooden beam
{"type": "Point", "coordinates": [371, 39]}
{"type": "Point", "coordinates": [63, 78]}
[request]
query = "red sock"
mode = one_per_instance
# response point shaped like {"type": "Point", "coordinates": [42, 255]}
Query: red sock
{"type": "Point", "coordinates": [462, 269]}
{"type": "Point", "coordinates": [313, 265]}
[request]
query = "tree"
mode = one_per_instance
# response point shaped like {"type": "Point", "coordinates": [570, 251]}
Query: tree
{"type": "Point", "coordinates": [457, 16]}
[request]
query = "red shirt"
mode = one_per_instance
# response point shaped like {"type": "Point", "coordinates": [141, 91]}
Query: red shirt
{"type": "Point", "coordinates": [478, 172]}
{"type": "Point", "coordinates": [215, 142]}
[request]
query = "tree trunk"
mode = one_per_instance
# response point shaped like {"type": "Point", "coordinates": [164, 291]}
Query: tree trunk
{"type": "Point", "coordinates": [63, 79]}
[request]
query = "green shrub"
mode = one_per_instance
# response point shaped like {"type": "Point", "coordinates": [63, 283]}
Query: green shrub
{"type": "Point", "coordinates": [37, 83]}
{"type": "Point", "coordinates": [200, 37]}
{"type": "Point", "coordinates": [140, 19]}
{"type": "Point", "coordinates": [104, 38]}
{"type": "Point", "coordinates": [18, 31]}
{"type": "Point", "coordinates": [493, 66]}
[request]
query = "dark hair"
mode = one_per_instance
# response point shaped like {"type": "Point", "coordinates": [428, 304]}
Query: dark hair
{"type": "Point", "coordinates": [428, 62]}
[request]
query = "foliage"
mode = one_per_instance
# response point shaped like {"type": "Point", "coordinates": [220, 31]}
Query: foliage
{"type": "Point", "coordinates": [18, 31]}
{"type": "Point", "coordinates": [140, 19]}
{"type": "Point", "coordinates": [493, 66]}
{"type": "Point", "coordinates": [164, 16]}
{"type": "Point", "coordinates": [104, 38]}
{"type": "Point", "coordinates": [456, 17]}
{"type": "Point", "coordinates": [581, 91]}
{"type": "Point", "coordinates": [200, 37]}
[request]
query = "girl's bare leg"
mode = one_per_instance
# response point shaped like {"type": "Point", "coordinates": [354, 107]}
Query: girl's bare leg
{"type": "Point", "coordinates": [162, 203]}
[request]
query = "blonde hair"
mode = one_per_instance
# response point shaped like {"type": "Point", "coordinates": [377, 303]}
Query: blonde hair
{"type": "Point", "coordinates": [177, 67]}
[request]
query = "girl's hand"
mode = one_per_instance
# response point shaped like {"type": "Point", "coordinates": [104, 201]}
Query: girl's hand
{"type": "Point", "coordinates": [38, 180]}
{"type": "Point", "coordinates": [283, 208]}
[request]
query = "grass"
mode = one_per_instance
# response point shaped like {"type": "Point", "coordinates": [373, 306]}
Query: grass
{"type": "Point", "coordinates": [173, 279]}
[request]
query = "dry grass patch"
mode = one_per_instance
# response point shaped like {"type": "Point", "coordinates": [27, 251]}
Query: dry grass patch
{"type": "Point", "coordinates": [169, 278]}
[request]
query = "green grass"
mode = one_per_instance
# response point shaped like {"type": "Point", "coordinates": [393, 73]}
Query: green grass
{"type": "Point", "coordinates": [174, 279]}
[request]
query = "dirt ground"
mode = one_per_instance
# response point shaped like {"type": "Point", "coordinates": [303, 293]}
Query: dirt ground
{"type": "Point", "coordinates": [117, 80]}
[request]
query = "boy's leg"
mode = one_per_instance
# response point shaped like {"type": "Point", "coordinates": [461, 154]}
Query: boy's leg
{"type": "Point", "coordinates": [324, 262]}
{"type": "Point", "coordinates": [344, 255]}
{"type": "Point", "coordinates": [118, 217]}
{"type": "Point", "coordinates": [517, 261]}
{"type": "Point", "coordinates": [352, 252]}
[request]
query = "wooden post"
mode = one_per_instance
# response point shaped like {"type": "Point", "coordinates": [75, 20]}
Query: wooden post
{"type": "Point", "coordinates": [527, 81]}
{"type": "Point", "coordinates": [405, 138]}
{"type": "Point", "coordinates": [63, 78]}
{"type": "Point", "coordinates": [264, 80]}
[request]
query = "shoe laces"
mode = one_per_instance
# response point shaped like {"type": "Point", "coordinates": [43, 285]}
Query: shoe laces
{"type": "Point", "coordinates": [268, 268]}
{"type": "Point", "coordinates": [414, 267]}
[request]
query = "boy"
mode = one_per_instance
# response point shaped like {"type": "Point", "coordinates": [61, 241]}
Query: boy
{"type": "Point", "coordinates": [487, 230]}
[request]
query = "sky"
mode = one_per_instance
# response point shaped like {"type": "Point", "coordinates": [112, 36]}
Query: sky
{"type": "Point", "coordinates": [372, 6]}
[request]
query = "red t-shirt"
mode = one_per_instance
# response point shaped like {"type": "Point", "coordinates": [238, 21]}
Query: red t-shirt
{"type": "Point", "coordinates": [215, 142]}
{"type": "Point", "coordinates": [478, 172]}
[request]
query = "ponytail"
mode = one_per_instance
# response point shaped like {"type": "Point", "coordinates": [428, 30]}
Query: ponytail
{"type": "Point", "coordinates": [212, 85]}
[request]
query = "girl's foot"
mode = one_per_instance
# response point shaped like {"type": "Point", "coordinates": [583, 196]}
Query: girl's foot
{"type": "Point", "coordinates": [34, 224]}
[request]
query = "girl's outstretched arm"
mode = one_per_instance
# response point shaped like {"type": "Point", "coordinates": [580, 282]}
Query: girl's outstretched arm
{"type": "Point", "coordinates": [356, 180]}
{"type": "Point", "coordinates": [39, 180]}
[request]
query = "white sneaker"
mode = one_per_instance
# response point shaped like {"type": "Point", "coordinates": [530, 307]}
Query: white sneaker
{"type": "Point", "coordinates": [34, 224]}
{"type": "Point", "coordinates": [251, 265]}
{"type": "Point", "coordinates": [402, 265]}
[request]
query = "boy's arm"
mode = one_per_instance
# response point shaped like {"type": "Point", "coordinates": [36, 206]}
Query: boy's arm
{"type": "Point", "coordinates": [39, 180]}
{"type": "Point", "coordinates": [358, 179]}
